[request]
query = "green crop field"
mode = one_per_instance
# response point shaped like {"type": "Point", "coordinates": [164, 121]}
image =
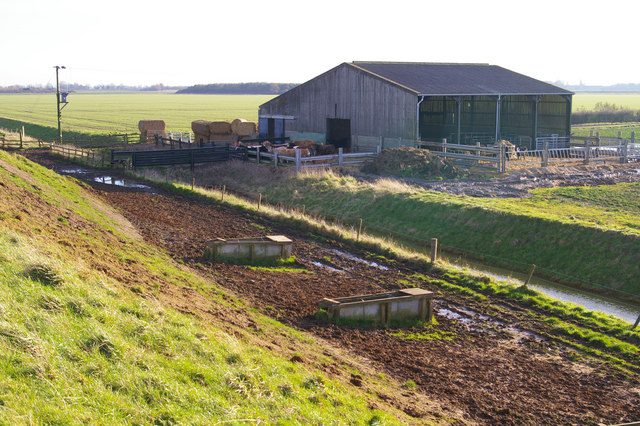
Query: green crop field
{"type": "Point", "coordinates": [588, 101]}
{"type": "Point", "coordinates": [120, 112]}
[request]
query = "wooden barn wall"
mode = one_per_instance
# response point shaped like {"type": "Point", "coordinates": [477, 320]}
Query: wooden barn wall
{"type": "Point", "coordinates": [375, 108]}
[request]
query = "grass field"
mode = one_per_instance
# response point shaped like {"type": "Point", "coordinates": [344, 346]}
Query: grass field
{"type": "Point", "coordinates": [588, 101]}
{"type": "Point", "coordinates": [608, 130]}
{"type": "Point", "coordinates": [120, 112]}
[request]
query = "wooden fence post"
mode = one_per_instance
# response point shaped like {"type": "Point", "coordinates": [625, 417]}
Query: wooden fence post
{"type": "Point", "coordinates": [434, 250]}
{"type": "Point", "coordinates": [587, 152]}
{"type": "Point", "coordinates": [193, 182]}
{"type": "Point", "coordinates": [340, 156]}
{"type": "Point", "coordinates": [259, 200]}
{"type": "Point", "coordinates": [635, 324]}
{"type": "Point", "coordinates": [298, 159]}
{"type": "Point", "coordinates": [21, 136]}
{"type": "Point", "coordinates": [531, 271]}
{"type": "Point", "coordinates": [275, 159]}
{"type": "Point", "coordinates": [545, 153]}
{"type": "Point", "coordinates": [502, 161]}
{"type": "Point", "coordinates": [359, 230]}
{"type": "Point", "coordinates": [224, 189]}
{"type": "Point", "coordinates": [303, 209]}
{"type": "Point", "coordinates": [444, 145]}
{"type": "Point", "coordinates": [258, 155]}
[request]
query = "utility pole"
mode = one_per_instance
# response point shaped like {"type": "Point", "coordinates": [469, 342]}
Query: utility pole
{"type": "Point", "coordinates": [58, 68]}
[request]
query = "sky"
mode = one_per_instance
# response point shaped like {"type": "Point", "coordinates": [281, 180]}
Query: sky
{"type": "Point", "coordinates": [184, 42]}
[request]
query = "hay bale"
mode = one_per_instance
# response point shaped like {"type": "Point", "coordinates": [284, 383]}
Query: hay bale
{"type": "Point", "coordinates": [200, 127]}
{"type": "Point", "coordinates": [234, 124]}
{"type": "Point", "coordinates": [220, 128]}
{"type": "Point", "coordinates": [246, 128]}
{"type": "Point", "coordinates": [151, 125]}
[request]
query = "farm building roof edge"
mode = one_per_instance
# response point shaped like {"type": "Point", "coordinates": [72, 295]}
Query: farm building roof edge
{"type": "Point", "coordinates": [364, 67]}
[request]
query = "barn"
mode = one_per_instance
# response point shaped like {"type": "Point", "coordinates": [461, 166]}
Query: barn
{"type": "Point", "coordinates": [362, 105]}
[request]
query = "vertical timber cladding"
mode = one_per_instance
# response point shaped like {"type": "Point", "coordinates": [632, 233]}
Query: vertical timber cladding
{"type": "Point", "coordinates": [374, 106]}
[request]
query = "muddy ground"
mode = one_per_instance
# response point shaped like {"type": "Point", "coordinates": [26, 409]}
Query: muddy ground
{"type": "Point", "coordinates": [518, 183]}
{"type": "Point", "coordinates": [490, 360]}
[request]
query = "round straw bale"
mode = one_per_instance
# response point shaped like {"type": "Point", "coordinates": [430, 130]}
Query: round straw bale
{"type": "Point", "coordinates": [234, 124]}
{"type": "Point", "coordinates": [219, 127]}
{"type": "Point", "coordinates": [156, 125]}
{"type": "Point", "coordinates": [201, 127]}
{"type": "Point", "coordinates": [246, 128]}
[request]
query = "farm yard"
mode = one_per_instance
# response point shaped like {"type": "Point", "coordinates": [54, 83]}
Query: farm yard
{"type": "Point", "coordinates": [487, 359]}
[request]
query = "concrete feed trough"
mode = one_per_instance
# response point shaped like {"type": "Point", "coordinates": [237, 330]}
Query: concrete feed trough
{"type": "Point", "coordinates": [382, 308]}
{"type": "Point", "coordinates": [269, 248]}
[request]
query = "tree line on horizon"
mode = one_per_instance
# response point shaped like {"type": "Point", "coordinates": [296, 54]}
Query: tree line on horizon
{"type": "Point", "coordinates": [238, 89]}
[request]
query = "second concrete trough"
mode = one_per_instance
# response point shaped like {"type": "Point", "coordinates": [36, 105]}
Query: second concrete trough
{"type": "Point", "coordinates": [381, 308]}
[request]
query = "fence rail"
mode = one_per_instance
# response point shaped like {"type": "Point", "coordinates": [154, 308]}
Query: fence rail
{"type": "Point", "coordinates": [316, 161]}
{"type": "Point", "coordinates": [493, 156]}
{"type": "Point", "coordinates": [169, 157]}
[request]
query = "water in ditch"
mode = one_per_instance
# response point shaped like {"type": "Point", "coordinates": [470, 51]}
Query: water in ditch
{"type": "Point", "coordinates": [594, 302]}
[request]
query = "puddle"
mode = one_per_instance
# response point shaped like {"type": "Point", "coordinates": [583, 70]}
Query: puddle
{"type": "Point", "coordinates": [476, 321]}
{"type": "Point", "coordinates": [327, 267]}
{"type": "Point", "coordinates": [77, 171]}
{"type": "Point", "coordinates": [355, 258]}
{"type": "Point", "coordinates": [108, 180]}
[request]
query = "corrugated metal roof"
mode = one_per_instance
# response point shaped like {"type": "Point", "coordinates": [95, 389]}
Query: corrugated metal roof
{"type": "Point", "coordinates": [458, 79]}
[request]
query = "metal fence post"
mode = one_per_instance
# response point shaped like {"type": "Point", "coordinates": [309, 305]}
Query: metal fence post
{"type": "Point", "coordinates": [624, 148]}
{"type": "Point", "coordinates": [340, 156]}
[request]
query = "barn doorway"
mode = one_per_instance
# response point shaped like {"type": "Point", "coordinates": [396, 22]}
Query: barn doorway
{"type": "Point", "coordinates": [339, 133]}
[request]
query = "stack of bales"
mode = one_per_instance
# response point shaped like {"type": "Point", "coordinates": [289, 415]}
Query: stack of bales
{"type": "Point", "coordinates": [150, 128]}
{"type": "Point", "coordinates": [223, 131]}
{"type": "Point", "coordinates": [201, 130]}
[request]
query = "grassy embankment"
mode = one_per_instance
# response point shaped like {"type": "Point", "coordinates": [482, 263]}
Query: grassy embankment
{"type": "Point", "coordinates": [585, 236]}
{"type": "Point", "coordinates": [97, 326]}
{"type": "Point", "coordinates": [590, 332]}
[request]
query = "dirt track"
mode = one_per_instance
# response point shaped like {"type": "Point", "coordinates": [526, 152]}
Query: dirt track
{"type": "Point", "coordinates": [495, 371]}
